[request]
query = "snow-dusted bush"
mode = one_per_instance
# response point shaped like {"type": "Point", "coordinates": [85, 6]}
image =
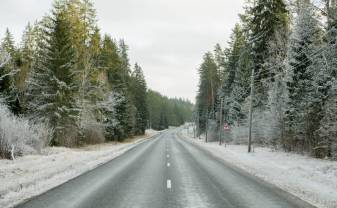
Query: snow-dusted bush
{"type": "Point", "coordinates": [265, 129]}
{"type": "Point", "coordinates": [212, 132]}
{"type": "Point", "coordinates": [92, 131]}
{"type": "Point", "coordinates": [19, 137]}
{"type": "Point", "coordinates": [239, 134]}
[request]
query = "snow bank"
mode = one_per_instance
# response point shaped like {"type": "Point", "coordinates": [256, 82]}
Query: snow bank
{"type": "Point", "coordinates": [310, 179]}
{"type": "Point", "coordinates": [31, 175]}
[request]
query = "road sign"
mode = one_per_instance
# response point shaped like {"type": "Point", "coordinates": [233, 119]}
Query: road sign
{"type": "Point", "coordinates": [226, 127]}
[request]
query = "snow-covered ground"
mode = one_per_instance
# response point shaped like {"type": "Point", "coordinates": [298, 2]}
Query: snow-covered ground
{"type": "Point", "coordinates": [31, 175]}
{"type": "Point", "coordinates": [310, 179]}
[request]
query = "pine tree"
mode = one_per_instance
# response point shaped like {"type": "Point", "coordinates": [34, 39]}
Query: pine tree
{"type": "Point", "coordinates": [267, 18]}
{"type": "Point", "coordinates": [277, 92]}
{"type": "Point", "coordinates": [4, 57]}
{"type": "Point", "coordinates": [52, 85]}
{"type": "Point", "coordinates": [28, 54]}
{"type": "Point", "coordinates": [305, 61]}
{"type": "Point", "coordinates": [328, 127]}
{"type": "Point", "coordinates": [123, 53]}
{"type": "Point", "coordinates": [220, 60]}
{"type": "Point", "coordinates": [139, 97]}
{"type": "Point", "coordinates": [232, 77]}
{"type": "Point", "coordinates": [126, 82]}
{"type": "Point", "coordinates": [113, 108]}
{"type": "Point", "coordinates": [208, 86]}
{"type": "Point", "coordinates": [110, 62]}
{"type": "Point", "coordinates": [8, 87]}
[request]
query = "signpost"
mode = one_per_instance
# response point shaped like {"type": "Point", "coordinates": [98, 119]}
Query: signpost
{"type": "Point", "coordinates": [226, 127]}
{"type": "Point", "coordinates": [221, 120]}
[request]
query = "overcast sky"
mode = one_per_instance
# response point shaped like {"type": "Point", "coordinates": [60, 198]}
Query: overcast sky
{"type": "Point", "coordinates": [166, 37]}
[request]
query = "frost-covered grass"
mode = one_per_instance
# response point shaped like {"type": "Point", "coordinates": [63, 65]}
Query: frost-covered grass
{"type": "Point", "coordinates": [313, 180]}
{"type": "Point", "coordinates": [18, 136]}
{"type": "Point", "coordinates": [34, 174]}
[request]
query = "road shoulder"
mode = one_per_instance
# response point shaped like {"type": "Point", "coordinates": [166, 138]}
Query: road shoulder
{"type": "Point", "coordinates": [309, 179]}
{"type": "Point", "coordinates": [32, 175]}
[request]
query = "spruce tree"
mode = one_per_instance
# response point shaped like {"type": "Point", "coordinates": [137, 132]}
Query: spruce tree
{"type": "Point", "coordinates": [328, 126]}
{"type": "Point", "coordinates": [232, 77]}
{"type": "Point", "coordinates": [139, 97]}
{"type": "Point", "coordinates": [8, 72]}
{"type": "Point", "coordinates": [267, 18]}
{"type": "Point", "coordinates": [28, 54]}
{"type": "Point", "coordinates": [208, 86]}
{"type": "Point", "coordinates": [127, 80]}
{"type": "Point", "coordinates": [304, 64]}
{"type": "Point", "coordinates": [52, 85]}
{"type": "Point", "coordinates": [110, 62]}
{"type": "Point", "coordinates": [4, 57]}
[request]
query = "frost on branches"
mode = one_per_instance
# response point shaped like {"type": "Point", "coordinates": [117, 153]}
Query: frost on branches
{"type": "Point", "coordinates": [113, 120]}
{"type": "Point", "coordinates": [18, 136]}
{"type": "Point", "coordinates": [4, 57]}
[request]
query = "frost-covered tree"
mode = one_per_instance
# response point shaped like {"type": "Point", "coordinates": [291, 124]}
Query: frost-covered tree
{"type": "Point", "coordinates": [27, 54]}
{"type": "Point", "coordinates": [8, 72]}
{"type": "Point", "coordinates": [52, 85]}
{"type": "Point", "coordinates": [114, 106]}
{"type": "Point", "coordinates": [220, 60]}
{"type": "Point", "coordinates": [328, 127]}
{"type": "Point", "coordinates": [277, 92]}
{"type": "Point", "coordinates": [4, 57]}
{"type": "Point", "coordinates": [233, 90]}
{"type": "Point", "coordinates": [207, 92]}
{"type": "Point", "coordinates": [139, 89]}
{"type": "Point", "coordinates": [304, 80]}
{"type": "Point", "coordinates": [110, 62]}
{"type": "Point", "coordinates": [126, 82]}
{"type": "Point", "coordinates": [268, 18]}
{"type": "Point", "coordinates": [91, 92]}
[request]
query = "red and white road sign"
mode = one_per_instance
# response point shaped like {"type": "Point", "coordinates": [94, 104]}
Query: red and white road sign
{"type": "Point", "coordinates": [226, 127]}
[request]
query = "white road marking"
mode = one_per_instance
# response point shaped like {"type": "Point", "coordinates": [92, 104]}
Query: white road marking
{"type": "Point", "coordinates": [168, 164]}
{"type": "Point", "coordinates": [168, 184]}
{"type": "Point", "coordinates": [167, 155]}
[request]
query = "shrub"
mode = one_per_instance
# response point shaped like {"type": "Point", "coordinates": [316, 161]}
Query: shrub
{"type": "Point", "coordinates": [18, 136]}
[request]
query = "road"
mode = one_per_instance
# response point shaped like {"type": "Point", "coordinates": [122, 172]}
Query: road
{"type": "Point", "coordinates": [167, 171]}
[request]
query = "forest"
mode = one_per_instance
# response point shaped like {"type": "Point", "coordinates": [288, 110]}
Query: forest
{"type": "Point", "coordinates": [66, 84]}
{"type": "Point", "coordinates": [281, 60]}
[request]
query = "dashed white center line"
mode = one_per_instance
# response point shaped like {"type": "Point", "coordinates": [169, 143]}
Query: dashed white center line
{"type": "Point", "coordinates": [168, 184]}
{"type": "Point", "coordinates": [168, 164]}
{"type": "Point", "coordinates": [167, 155]}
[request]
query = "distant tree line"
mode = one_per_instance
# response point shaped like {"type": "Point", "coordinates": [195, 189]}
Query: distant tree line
{"type": "Point", "coordinates": [66, 74]}
{"type": "Point", "coordinates": [291, 49]}
{"type": "Point", "coordinates": [165, 112]}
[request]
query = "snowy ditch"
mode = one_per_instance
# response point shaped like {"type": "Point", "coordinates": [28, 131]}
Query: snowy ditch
{"type": "Point", "coordinates": [32, 175]}
{"type": "Point", "coordinates": [312, 180]}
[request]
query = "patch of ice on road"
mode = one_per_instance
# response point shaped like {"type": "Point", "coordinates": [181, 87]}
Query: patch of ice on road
{"type": "Point", "coordinates": [313, 180]}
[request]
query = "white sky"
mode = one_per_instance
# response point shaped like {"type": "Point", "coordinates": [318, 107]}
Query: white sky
{"type": "Point", "coordinates": [166, 37]}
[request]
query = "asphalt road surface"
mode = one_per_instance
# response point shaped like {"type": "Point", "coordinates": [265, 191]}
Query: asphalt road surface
{"type": "Point", "coordinates": [166, 171]}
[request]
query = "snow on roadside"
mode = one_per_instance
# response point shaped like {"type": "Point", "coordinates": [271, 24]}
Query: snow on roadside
{"type": "Point", "coordinates": [313, 180]}
{"type": "Point", "coordinates": [31, 175]}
